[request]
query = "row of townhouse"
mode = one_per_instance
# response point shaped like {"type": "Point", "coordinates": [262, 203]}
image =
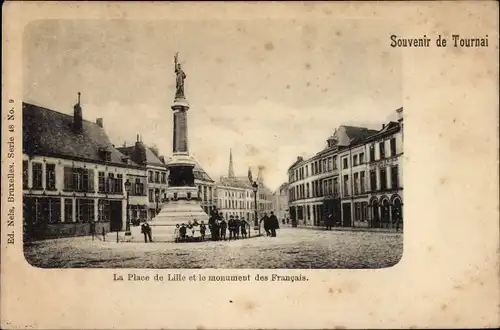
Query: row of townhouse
{"type": "Point", "coordinates": [357, 179]}
{"type": "Point", "coordinates": [236, 197]}
{"type": "Point", "coordinates": [73, 175]}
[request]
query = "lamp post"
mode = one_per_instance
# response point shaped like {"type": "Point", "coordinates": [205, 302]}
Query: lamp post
{"type": "Point", "coordinates": [255, 188]}
{"type": "Point", "coordinates": [127, 189]}
{"type": "Point", "coordinates": [157, 199]}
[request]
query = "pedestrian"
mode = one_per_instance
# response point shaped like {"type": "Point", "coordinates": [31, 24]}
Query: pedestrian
{"type": "Point", "coordinates": [265, 219]}
{"type": "Point", "coordinates": [103, 234]}
{"type": "Point", "coordinates": [203, 228]}
{"type": "Point", "coordinates": [230, 226]}
{"type": "Point", "coordinates": [244, 225]}
{"type": "Point", "coordinates": [287, 220]}
{"type": "Point", "coordinates": [176, 233]}
{"type": "Point", "coordinates": [329, 222]}
{"type": "Point", "coordinates": [214, 232]}
{"type": "Point", "coordinates": [182, 232]}
{"type": "Point", "coordinates": [223, 227]}
{"type": "Point", "coordinates": [92, 228]}
{"type": "Point", "coordinates": [237, 225]}
{"type": "Point", "coordinates": [397, 218]}
{"type": "Point", "coordinates": [146, 231]}
{"type": "Point", "coordinates": [273, 224]}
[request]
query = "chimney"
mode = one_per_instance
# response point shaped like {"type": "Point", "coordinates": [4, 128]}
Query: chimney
{"type": "Point", "coordinates": [400, 114]}
{"type": "Point", "coordinates": [383, 126]}
{"type": "Point", "coordinates": [99, 122]}
{"type": "Point", "coordinates": [77, 116]}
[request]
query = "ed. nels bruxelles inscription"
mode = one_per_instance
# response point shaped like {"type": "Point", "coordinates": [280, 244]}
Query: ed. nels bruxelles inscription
{"type": "Point", "coordinates": [11, 171]}
{"type": "Point", "coordinates": [440, 41]}
{"type": "Point", "coordinates": [178, 277]}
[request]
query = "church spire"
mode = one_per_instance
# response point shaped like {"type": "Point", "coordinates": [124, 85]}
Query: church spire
{"type": "Point", "coordinates": [230, 173]}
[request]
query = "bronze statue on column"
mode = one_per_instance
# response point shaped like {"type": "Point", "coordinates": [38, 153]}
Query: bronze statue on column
{"type": "Point", "coordinates": [180, 76]}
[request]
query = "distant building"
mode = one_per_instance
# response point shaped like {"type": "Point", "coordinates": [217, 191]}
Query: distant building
{"type": "Point", "coordinates": [280, 201]}
{"type": "Point", "coordinates": [156, 185]}
{"type": "Point", "coordinates": [206, 189]}
{"type": "Point", "coordinates": [350, 180]}
{"type": "Point", "coordinates": [72, 175]}
{"type": "Point", "coordinates": [235, 195]}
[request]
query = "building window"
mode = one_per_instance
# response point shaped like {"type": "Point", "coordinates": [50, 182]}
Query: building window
{"type": "Point", "coordinates": [372, 153]}
{"type": "Point", "coordinates": [151, 196]}
{"type": "Point", "coordinates": [394, 177]}
{"type": "Point", "coordinates": [78, 179]}
{"type": "Point", "coordinates": [356, 178]}
{"type": "Point", "coordinates": [68, 210]}
{"type": "Point", "coordinates": [150, 176]}
{"type": "Point", "coordinates": [362, 158]}
{"type": "Point", "coordinates": [25, 174]}
{"type": "Point", "coordinates": [37, 175]}
{"type": "Point", "coordinates": [119, 183]}
{"type": "Point", "coordinates": [324, 167]}
{"type": "Point", "coordinates": [344, 163]}
{"type": "Point", "coordinates": [334, 162]}
{"type": "Point", "coordinates": [383, 178]}
{"type": "Point", "coordinates": [336, 186]}
{"type": "Point", "coordinates": [111, 183]}
{"type": "Point", "coordinates": [355, 160]}
{"type": "Point", "coordinates": [50, 176]}
{"type": "Point", "coordinates": [103, 210]}
{"type": "Point", "coordinates": [84, 210]}
{"type": "Point", "coordinates": [138, 188]}
{"type": "Point", "coordinates": [102, 182]}
{"type": "Point", "coordinates": [381, 147]}
{"type": "Point", "coordinates": [52, 209]}
{"type": "Point", "coordinates": [373, 180]}
{"type": "Point", "coordinates": [157, 177]}
{"type": "Point", "coordinates": [393, 146]}
{"type": "Point", "coordinates": [163, 177]}
{"type": "Point", "coordinates": [346, 185]}
{"type": "Point", "coordinates": [362, 182]}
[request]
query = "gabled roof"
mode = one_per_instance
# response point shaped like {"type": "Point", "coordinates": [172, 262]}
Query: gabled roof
{"type": "Point", "coordinates": [50, 133]}
{"type": "Point", "coordinates": [141, 154]}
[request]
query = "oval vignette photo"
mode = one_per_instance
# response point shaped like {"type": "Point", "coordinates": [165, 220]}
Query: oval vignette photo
{"type": "Point", "coordinates": [252, 144]}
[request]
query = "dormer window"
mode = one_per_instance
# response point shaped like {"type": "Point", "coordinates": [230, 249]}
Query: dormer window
{"type": "Point", "coordinates": [125, 159]}
{"type": "Point", "coordinates": [105, 154]}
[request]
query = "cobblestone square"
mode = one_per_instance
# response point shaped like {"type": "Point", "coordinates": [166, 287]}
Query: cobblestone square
{"type": "Point", "coordinates": [293, 248]}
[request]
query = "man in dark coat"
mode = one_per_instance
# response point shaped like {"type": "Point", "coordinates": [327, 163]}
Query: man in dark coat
{"type": "Point", "coordinates": [265, 219]}
{"type": "Point", "coordinates": [230, 226]}
{"type": "Point", "coordinates": [273, 224]}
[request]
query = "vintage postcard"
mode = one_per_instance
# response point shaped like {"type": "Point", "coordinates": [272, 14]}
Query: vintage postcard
{"type": "Point", "coordinates": [250, 165]}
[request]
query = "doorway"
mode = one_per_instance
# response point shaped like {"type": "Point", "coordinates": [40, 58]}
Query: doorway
{"type": "Point", "coordinates": [346, 215]}
{"type": "Point", "coordinates": [115, 216]}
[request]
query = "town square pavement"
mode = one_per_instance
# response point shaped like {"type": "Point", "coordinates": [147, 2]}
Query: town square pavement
{"type": "Point", "coordinates": [292, 248]}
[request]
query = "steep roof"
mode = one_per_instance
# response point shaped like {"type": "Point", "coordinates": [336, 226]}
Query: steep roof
{"type": "Point", "coordinates": [357, 134]}
{"type": "Point", "coordinates": [141, 154]}
{"type": "Point", "coordinates": [200, 174]}
{"type": "Point", "coordinates": [50, 133]}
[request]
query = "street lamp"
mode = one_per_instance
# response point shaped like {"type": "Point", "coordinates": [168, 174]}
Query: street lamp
{"type": "Point", "coordinates": [157, 199]}
{"type": "Point", "coordinates": [127, 189]}
{"type": "Point", "coordinates": [255, 188]}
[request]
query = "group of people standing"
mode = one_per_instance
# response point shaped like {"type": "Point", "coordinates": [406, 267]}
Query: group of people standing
{"type": "Point", "coordinates": [271, 223]}
{"type": "Point", "coordinates": [192, 231]}
{"type": "Point", "coordinates": [219, 226]}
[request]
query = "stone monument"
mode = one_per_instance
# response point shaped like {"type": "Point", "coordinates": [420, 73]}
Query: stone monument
{"type": "Point", "coordinates": [183, 203]}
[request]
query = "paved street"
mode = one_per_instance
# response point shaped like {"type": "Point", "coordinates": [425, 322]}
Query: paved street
{"type": "Point", "coordinates": [293, 248]}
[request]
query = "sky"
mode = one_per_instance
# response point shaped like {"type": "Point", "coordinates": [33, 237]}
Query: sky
{"type": "Point", "coordinates": [269, 90]}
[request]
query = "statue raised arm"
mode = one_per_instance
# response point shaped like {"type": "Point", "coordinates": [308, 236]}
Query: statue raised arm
{"type": "Point", "coordinates": [180, 76]}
